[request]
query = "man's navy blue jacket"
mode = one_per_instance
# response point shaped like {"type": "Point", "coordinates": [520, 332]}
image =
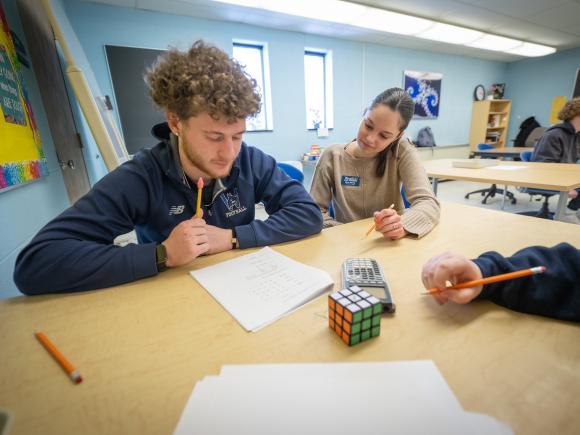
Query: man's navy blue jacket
{"type": "Point", "coordinates": [75, 251]}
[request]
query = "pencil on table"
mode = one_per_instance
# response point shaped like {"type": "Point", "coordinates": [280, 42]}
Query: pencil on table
{"type": "Point", "coordinates": [59, 357]}
{"type": "Point", "coordinates": [490, 279]}
{"type": "Point", "coordinates": [373, 226]}
{"type": "Point", "coordinates": [199, 189]}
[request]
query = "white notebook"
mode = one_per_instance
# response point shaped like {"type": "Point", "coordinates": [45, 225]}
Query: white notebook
{"type": "Point", "coordinates": [259, 288]}
{"type": "Point", "coordinates": [474, 163]}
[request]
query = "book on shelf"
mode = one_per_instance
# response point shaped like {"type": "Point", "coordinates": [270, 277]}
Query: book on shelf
{"type": "Point", "coordinates": [493, 121]}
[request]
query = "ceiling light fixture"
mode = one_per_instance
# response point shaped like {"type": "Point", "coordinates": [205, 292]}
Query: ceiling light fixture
{"type": "Point", "coordinates": [450, 34]}
{"type": "Point", "coordinates": [367, 17]}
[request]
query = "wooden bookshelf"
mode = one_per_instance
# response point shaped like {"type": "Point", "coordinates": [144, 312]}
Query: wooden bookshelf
{"type": "Point", "coordinates": [489, 123]}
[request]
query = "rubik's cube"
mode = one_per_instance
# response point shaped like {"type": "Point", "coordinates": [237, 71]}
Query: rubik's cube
{"type": "Point", "coordinates": [354, 315]}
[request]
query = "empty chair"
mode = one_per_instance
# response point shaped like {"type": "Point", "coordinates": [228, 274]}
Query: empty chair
{"type": "Point", "coordinates": [493, 189]}
{"type": "Point", "coordinates": [544, 211]}
{"type": "Point", "coordinates": [293, 169]}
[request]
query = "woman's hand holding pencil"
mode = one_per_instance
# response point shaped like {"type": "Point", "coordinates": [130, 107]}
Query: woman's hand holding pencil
{"type": "Point", "coordinates": [388, 223]}
{"type": "Point", "coordinates": [442, 270]}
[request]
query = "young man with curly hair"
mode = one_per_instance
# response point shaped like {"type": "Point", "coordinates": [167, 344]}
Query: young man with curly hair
{"type": "Point", "coordinates": [561, 144]}
{"type": "Point", "coordinates": [207, 97]}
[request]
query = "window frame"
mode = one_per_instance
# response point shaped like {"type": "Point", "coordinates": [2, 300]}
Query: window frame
{"type": "Point", "coordinates": [265, 87]}
{"type": "Point", "coordinates": [328, 118]}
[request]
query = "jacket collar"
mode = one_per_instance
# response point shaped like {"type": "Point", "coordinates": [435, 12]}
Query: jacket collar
{"type": "Point", "coordinates": [167, 154]}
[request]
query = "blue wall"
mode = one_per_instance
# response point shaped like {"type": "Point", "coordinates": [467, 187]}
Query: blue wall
{"type": "Point", "coordinates": [25, 209]}
{"type": "Point", "coordinates": [98, 25]}
{"type": "Point", "coordinates": [533, 83]}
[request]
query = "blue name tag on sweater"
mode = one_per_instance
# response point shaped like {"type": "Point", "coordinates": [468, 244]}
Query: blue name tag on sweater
{"type": "Point", "coordinates": [350, 180]}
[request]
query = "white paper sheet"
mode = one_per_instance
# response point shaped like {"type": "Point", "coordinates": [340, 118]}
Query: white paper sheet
{"type": "Point", "coordinates": [259, 288]}
{"type": "Point", "coordinates": [342, 399]}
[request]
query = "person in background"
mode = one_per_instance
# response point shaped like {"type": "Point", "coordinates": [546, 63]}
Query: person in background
{"type": "Point", "coordinates": [561, 143]}
{"type": "Point", "coordinates": [554, 293]}
{"type": "Point", "coordinates": [363, 177]}
{"type": "Point", "coordinates": [207, 97]}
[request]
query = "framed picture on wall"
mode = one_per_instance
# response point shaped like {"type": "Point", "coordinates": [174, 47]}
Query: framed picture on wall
{"type": "Point", "coordinates": [425, 89]}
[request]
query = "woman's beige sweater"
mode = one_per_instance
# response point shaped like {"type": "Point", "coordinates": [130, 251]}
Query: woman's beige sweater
{"type": "Point", "coordinates": [356, 192]}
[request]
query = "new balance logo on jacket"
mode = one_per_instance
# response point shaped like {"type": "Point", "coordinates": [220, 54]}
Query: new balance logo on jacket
{"type": "Point", "coordinates": [176, 209]}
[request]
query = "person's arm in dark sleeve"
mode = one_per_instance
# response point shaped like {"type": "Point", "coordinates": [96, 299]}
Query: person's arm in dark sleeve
{"type": "Point", "coordinates": [555, 293]}
{"type": "Point", "coordinates": [292, 212]}
{"type": "Point", "coordinates": [75, 251]}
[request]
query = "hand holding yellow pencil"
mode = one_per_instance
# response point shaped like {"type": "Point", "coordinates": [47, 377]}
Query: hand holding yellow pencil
{"type": "Point", "coordinates": [199, 191]}
{"type": "Point", "coordinates": [374, 225]}
{"type": "Point", "coordinates": [490, 279]}
{"type": "Point", "coordinates": [442, 269]}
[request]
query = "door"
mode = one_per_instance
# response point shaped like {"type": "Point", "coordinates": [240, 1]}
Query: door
{"type": "Point", "coordinates": [50, 77]}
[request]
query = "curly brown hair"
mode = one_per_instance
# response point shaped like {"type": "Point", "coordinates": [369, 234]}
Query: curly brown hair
{"type": "Point", "coordinates": [203, 79]}
{"type": "Point", "coordinates": [570, 110]}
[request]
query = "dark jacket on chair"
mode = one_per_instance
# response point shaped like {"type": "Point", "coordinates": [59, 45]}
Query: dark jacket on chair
{"type": "Point", "coordinates": [559, 144]}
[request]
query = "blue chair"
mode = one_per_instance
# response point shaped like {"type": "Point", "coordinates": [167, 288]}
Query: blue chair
{"type": "Point", "coordinates": [407, 205]}
{"type": "Point", "coordinates": [544, 211]}
{"type": "Point", "coordinates": [493, 190]}
{"type": "Point", "coordinates": [292, 171]}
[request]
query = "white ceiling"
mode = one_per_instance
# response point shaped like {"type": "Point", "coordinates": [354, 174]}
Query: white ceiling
{"type": "Point", "coordinates": [555, 23]}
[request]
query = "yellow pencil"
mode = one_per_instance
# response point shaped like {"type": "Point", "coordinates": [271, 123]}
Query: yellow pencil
{"type": "Point", "coordinates": [490, 279]}
{"type": "Point", "coordinates": [59, 357]}
{"type": "Point", "coordinates": [199, 190]}
{"type": "Point", "coordinates": [373, 226]}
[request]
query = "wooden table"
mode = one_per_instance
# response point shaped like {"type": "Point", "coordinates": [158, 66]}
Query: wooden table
{"type": "Point", "coordinates": [562, 177]}
{"type": "Point", "coordinates": [142, 346]}
{"type": "Point", "coordinates": [508, 152]}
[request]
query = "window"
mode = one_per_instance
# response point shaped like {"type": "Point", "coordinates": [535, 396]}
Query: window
{"type": "Point", "coordinates": [254, 57]}
{"type": "Point", "coordinates": [318, 86]}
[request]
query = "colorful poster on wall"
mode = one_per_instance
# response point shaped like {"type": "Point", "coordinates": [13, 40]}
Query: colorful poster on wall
{"type": "Point", "coordinates": [21, 156]}
{"type": "Point", "coordinates": [425, 89]}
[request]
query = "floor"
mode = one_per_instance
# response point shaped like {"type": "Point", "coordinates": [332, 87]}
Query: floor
{"type": "Point", "coordinates": [455, 191]}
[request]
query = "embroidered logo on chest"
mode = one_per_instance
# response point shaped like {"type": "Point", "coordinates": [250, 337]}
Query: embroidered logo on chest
{"type": "Point", "coordinates": [176, 209]}
{"type": "Point", "coordinates": [350, 180]}
{"type": "Point", "coordinates": [232, 202]}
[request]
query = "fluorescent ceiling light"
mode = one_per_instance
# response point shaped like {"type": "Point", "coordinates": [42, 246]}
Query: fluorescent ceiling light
{"type": "Point", "coordinates": [344, 12]}
{"type": "Point", "coordinates": [532, 50]}
{"type": "Point", "coordinates": [392, 22]}
{"type": "Point", "coordinates": [495, 43]}
{"type": "Point", "coordinates": [334, 11]}
{"type": "Point", "coordinates": [246, 3]}
{"type": "Point", "coordinates": [451, 34]}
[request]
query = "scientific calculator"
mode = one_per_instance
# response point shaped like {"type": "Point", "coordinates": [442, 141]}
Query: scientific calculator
{"type": "Point", "coordinates": [368, 275]}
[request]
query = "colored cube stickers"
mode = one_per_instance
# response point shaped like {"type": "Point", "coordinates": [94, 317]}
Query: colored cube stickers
{"type": "Point", "coordinates": [354, 315]}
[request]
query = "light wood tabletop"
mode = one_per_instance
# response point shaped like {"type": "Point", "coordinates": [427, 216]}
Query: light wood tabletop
{"type": "Point", "coordinates": [561, 177]}
{"type": "Point", "coordinates": [141, 347]}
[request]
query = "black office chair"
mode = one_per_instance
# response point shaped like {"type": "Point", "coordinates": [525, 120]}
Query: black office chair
{"type": "Point", "coordinates": [544, 211]}
{"type": "Point", "coordinates": [493, 189]}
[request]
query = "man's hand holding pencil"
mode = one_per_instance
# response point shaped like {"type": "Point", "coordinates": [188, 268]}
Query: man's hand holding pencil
{"type": "Point", "coordinates": [452, 277]}
{"type": "Point", "coordinates": [447, 268]}
{"type": "Point", "coordinates": [187, 241]}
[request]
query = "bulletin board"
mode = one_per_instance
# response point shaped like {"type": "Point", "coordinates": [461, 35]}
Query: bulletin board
{"type": "Point", "coordinates": [21, 156]}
